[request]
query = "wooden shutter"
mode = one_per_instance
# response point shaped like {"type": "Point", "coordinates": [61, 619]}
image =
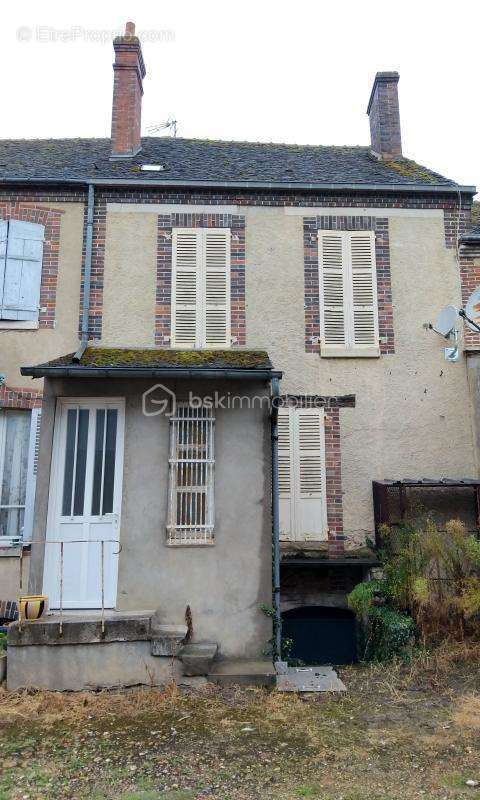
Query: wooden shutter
{"type": "Point", "coordinates": [301, 468]}
{"type": "Point", "coordinates": [332, 290]}
{"type": "Point", "coordinates": [23, 271]}
{"type": "Point", "coordinates": [348, 293]}
{"type": "Point", "coordinates": [3, 256]}
{"type": "Point", "coordinates": [186, 287]}
{"type": "Point", "coordinates": [310, 458]}
{"type": "Point", "coordinates": [364, 291]}
{"type": "Point", "coordinates": [285, 474]}
{"type": "Point", "coordinates": [217, 287]}
{"type": "Point", "coordinates": [32, 469]}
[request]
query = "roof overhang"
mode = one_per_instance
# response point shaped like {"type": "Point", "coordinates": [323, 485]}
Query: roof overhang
{"type": "Point", "coordinates": [266, 185]}
{"type": "Point", "coordinates": [77, 371]}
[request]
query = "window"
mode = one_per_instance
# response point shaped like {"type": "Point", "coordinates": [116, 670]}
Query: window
{"type": "Point", "coordinates": [18, 468]}
{"type": "Point", "coordinates": [191, 496]}
{"type": "Point", "coordinates": [21, 252]}
{"type": "Point", "coordinates": [201, 288]}
{"type": "Point", "coordinates": [348, 293]}
{"type": "Point", "coordinates": [301, 466]}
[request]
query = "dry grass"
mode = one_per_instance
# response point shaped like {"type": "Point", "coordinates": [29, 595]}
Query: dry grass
{"type": "Point", "coordinates": [466, 713]}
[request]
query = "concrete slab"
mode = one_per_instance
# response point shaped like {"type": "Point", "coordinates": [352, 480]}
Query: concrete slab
{"type": "Point", "coordinates": [167, 640]}
{"type": "Point", "coordinates": [242, 672]}
{"type": "Point", "coordinates": [309, 679]}
{"type": "Point", "coordinates": [197, 657]}
{"type": "Point", "coordinates": [76, 667]}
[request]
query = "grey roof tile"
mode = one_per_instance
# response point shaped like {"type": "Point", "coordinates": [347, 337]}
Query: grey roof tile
{"type": "Point", "coordinates": [211, 161]}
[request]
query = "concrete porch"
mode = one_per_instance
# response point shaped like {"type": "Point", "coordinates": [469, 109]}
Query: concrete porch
{"type": "Point", "coordinates": [85, 650]}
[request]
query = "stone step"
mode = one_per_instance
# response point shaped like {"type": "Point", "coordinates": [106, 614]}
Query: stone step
{"type": "Point", "coordinates": [167, 640]}
{"type": "Point", "coordinates": [197, 657]}
{"type": "Point", "coordinates": [243, 672]}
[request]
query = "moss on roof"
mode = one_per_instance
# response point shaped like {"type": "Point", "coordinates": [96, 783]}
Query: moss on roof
{"type": "Point", "coordinates": [413, 171]}
{"type": "Point", "coordinates": [118, 358]}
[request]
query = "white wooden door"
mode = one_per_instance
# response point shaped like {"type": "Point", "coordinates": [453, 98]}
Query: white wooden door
{"type": "Point", "coordinates": [84, 503]}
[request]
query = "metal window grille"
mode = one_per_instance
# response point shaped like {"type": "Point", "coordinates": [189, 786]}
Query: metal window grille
{"type": "Point", "coordinates": [191, 486]}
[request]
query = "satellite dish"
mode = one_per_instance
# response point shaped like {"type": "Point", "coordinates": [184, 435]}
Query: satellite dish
{"type": "Point", "coordinates": [447, 320]}
{"type": "Point", "coordinates": [472, 309]}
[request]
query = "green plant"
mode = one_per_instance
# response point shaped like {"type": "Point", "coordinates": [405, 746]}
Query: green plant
{"type": "Point", "coordinates": [286, 643]}
{"type": "Point", "coordinates": [3, 642]}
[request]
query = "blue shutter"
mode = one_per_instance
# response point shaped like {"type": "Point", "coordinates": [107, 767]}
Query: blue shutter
{"type": "Point", "coordinates": [23, 271]}
{"type": "Point", "coordinates": [3, 255]}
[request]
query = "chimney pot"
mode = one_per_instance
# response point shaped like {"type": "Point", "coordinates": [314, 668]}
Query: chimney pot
{"type": "Point", "coordinates": [384, 114]}
{"type": "Point", "coordinates": [128, 75]}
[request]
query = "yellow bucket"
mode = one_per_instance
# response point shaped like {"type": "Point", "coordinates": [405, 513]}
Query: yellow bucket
{"type": "Point", "coordinates": [32, 607]}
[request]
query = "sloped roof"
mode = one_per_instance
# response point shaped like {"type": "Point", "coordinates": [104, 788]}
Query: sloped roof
{"type": "Point", "coordinates": [104, 361]}
{"type": "Point", "coordinates": [210, 162]}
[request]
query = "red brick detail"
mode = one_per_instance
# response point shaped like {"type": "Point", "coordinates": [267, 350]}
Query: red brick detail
{"type": "Point", "coordinates": [333, 461]}
{"type": "Point", "coordinates": [311, 226]}
{"type": "Point", "coordinates": [11, 397]}
{"type": "Point", "coordinates": [97, 268]}
{"type": "Point", "coordinates": [166, 223]}
{"type": "Point", "coordinates": [50, 218]}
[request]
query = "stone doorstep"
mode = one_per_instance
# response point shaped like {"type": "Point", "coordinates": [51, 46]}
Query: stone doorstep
{"type": "Point", "coordinates": [197, 657]}
{"type": "Point", "coordinates": [167, 640]}
{"type": "Point", "coordinates": [243, 672]}
{"type": "Point", "coordinates": [82, 628]}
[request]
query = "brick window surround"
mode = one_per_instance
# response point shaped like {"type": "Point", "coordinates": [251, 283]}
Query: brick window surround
{"type": "Point", "coordinates": [333, 462]}
{"type": "Point", "coordinates": [11, 397]}
{"type": "Point", "coordinates": [50, 218]}
{"type": "Point", "coordinates": [311, 226]}
{"type": "Point", "coordinates": [166, 223]}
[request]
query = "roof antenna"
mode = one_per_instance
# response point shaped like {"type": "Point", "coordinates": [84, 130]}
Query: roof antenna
{"type": "Point", "coordinates": [162, 126]}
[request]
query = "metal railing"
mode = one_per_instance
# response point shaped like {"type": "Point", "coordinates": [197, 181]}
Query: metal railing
{"type": "Point", "coordinates": [62, 544]}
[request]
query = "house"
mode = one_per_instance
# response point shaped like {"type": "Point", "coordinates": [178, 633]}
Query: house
{"type": "Point", "coordinates": [224, 338]}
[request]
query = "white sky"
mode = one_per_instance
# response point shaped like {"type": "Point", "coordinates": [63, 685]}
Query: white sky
{"type": "Point", "coordinates": [258, 70]}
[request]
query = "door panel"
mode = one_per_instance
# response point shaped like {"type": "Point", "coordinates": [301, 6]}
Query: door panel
{"type": "Point", "coordinates": [85, 503]}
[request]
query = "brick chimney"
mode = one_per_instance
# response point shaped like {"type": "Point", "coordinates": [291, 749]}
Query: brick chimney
{"type": "Point", "coordinates": [384, 115]}
{"type": "Point", "coordinates": [128, 74]}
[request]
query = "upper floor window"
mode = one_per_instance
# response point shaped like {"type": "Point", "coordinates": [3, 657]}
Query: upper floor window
{"type": "Point", "coordinates": [348, 293]}
{"type": "Point", "coordinates": [201, 288]}
{"type": "Point", "coordinates": [21, 252]}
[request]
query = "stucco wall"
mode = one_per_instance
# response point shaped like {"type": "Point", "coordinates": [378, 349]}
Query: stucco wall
{"type": "Point", "coordinates": [413, 412]}
{"type": "Point", "coordinates": [10, 573]}
{"type": "Point", "coordinates": [130, 280]}
{"type": "Point", "coordinates": [23, 347]}
{"type": "Point", "coordinates": [224, 584]}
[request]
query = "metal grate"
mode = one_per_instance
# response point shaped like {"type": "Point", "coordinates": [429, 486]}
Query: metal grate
{"type": "Point", "coordinates": [191, 488]}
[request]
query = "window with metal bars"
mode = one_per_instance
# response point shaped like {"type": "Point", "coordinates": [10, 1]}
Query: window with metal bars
{"type": "Point", "coordinates": [191, 510]}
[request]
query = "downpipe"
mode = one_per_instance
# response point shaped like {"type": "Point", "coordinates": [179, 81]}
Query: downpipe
{"type": "Point", "coordinates": [76, 358]}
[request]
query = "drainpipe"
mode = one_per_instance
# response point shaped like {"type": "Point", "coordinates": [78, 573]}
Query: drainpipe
{"type": "Point", "coordinates": [87, 276]}
{"type": "Point", "coordinates": [276, 522]}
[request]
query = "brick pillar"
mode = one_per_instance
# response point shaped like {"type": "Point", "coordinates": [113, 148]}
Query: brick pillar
{"type": "Point", "coordinates": [128, 74]}
{"type": "Point", "coordinates": [384, 114]}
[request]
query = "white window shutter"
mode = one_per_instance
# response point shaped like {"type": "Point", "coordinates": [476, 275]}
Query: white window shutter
{"type": "Point", "coordinates": [285, 474]}
{"type": "Point", "coordinates": [364, 290]}
{"type": "Point", "coordinates": [217, 287]}
{"type": "Point", "coordinates": [332, 289]}
{"type": "Point", "coordinates": [32, 469]}
{"type": "Point", "coordinates": [23, 271]}
{"type": "Point", "coordinates": [186, 287]}
{"type": "Point", "coordinates": [311, 487]}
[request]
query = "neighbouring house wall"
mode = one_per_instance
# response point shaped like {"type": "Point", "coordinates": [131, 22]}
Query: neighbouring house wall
{"type": "Point", "coordinates": [23, 347]}
{"type": "Point", "coordinates": [224, 584]}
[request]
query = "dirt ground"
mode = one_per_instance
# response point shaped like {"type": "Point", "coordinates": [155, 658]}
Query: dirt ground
{"type": "Point", "coordinates": [400, 732]}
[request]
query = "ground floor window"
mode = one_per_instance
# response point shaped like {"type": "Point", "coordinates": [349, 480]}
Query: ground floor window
{"type": "Point", "coordinates": [191, 510]}
{"type": "Point", "coordinates": [302, 481]}
{"type": "Point", "coordinates": [18, 463]}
